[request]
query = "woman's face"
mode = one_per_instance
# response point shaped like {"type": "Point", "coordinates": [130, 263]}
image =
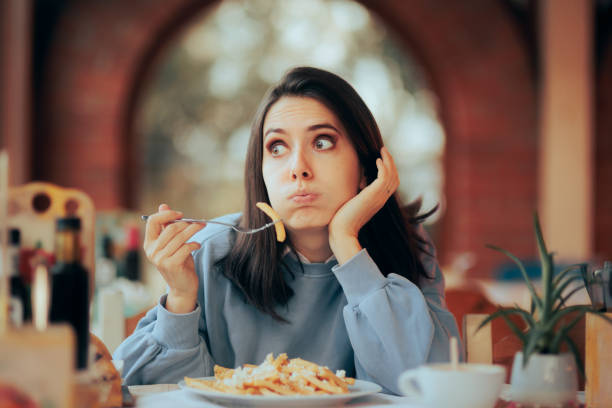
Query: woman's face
{"type": "Point", "coordinates": [310, 167]}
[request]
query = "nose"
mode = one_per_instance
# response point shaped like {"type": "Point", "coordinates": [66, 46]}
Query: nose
{"type": "Point", "coordinates": [303, 175]}
{"type": "Point", "coordinates": [300, 168]}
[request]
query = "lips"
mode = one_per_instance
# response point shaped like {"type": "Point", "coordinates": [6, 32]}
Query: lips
{"type": "Point", "coordinates": [303, 197]}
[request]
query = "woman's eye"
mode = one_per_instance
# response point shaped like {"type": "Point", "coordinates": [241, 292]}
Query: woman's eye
{"type": "Point", "coordinates": [324, 143]}
{"type": "Point", "coordinates": [277, 149]}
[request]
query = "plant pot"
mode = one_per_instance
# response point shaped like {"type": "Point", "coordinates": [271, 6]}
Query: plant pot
{"type": "Point", "coordinates": [546, 380]}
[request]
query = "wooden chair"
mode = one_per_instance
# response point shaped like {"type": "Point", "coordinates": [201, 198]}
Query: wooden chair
{"type": "Point", "coordinates": [462, 301]}
{"type": "Point", "coordinates": [598, 362]}
{"type": "Point", "coordinates": [132, 321]}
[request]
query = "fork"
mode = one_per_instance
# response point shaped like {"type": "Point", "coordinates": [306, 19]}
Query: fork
{"type": "Point", "coordinates": [232, 226]}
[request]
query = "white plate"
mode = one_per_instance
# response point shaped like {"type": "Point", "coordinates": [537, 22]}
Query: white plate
{"type": "Point", "coordinates": [359, 389]}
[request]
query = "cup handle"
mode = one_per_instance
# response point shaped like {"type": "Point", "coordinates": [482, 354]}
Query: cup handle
{"type": "Point", "coordinates": [406, 383]}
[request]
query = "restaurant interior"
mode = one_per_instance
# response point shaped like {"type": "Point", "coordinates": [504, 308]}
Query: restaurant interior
{"type": "Point", "coordinates": [493, 109]}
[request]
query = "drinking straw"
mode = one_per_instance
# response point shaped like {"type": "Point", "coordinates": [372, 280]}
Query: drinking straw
{"type": "Point", "coordinates": [454, 353]}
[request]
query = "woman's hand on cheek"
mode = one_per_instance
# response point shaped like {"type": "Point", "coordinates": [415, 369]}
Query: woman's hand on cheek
{"type": "Point", "coordinates": [355, 213]}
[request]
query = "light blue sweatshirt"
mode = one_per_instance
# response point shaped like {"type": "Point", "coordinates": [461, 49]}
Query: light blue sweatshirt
{"type": "Point", "coordinates": [347, 317]}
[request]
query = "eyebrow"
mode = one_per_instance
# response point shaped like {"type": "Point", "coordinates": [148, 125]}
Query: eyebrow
{"type": "Point", "coordinates": [310, 128]}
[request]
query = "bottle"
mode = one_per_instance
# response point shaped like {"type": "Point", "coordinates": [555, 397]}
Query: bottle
{"type": "Point", "coordinates": [70, 286]}
{"type": "Point", "coordinates": [108, 246]}
{"type": "Point", "coordinates": [106, 268]}
{"type": "Point", "coordinates": [132, 255]}
{"type": "Point", "coordinates": [19, 292]}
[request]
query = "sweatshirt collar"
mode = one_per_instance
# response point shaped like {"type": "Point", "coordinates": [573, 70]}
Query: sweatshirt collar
{"type": "Point", "coordinates": [303, 259]}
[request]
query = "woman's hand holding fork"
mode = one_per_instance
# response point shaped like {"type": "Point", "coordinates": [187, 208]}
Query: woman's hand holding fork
{"type": "Point", "coordinates": [166, 247]}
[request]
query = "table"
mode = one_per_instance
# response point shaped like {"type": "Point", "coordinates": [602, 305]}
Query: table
{"type": "Point", "coordinates": [170, 396]}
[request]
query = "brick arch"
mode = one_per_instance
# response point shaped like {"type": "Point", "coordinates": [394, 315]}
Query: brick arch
{"type": "Point", "coordinates": [96, 67]}
{"type": "Point", "coordinates": [472, 52]}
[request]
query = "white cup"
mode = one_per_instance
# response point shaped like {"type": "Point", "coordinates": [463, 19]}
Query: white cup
{"type": "Point", "coordinates": [468, 386]}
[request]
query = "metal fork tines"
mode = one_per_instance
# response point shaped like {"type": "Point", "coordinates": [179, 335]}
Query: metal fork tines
{"type": "Point", "coordinates": [234, 227]}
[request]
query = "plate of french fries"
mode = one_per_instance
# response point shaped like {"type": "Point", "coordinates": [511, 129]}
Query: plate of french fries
{"type": "Point", "coordinates": [279, 381]}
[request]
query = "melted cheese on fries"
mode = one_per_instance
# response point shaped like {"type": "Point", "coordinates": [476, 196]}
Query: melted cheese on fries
{"type": "Point", "coordinates": [276, 376]}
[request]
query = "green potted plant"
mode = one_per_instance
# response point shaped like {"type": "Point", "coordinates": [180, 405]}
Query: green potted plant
{"type": "Point", "coordinates": [542, 373]}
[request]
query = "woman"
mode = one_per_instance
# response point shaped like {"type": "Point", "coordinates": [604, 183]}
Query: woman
{"type": "Point", "coordinates": [355, 287]}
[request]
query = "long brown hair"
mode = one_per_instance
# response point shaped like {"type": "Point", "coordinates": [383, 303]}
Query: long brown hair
{"type": "Point", "coordinates": [390, 236]}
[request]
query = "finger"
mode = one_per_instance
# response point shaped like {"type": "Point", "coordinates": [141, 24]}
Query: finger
{"type": "Point", "coordinates": [385, 181]}
{"type": "Point", "coordinates": [170, 268]}
{"type": "Point", "coordinates": [156, 222]}
{"type": "Point", "coordinates": [375, 185]}
{"type": "Point", "coordinates": [184, 252]}
{"type": "Point", "coordinates": [381, 187]}
{"type": "Point", "coordinates": [163, 207]}
{"type": "Point", "coordinates": [388, 159]}
{"type": "Point", "coordinates": [167, 234]}
{"type": "Point", "coordinates": [383, 173]}
{"type": "Point", "coordinates": [389, 162]}
{"type": "Point", "coordinates": [179, 240]}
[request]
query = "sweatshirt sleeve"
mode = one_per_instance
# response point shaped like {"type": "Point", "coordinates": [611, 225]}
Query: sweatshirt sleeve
{"type": "Point", "coordinates": [392, 324]}
{"type": "Point", "coordinates": [164, 348]}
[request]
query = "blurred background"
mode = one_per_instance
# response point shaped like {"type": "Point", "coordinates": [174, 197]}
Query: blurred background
{"type": "Point", "coordinates": [492, 108]}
